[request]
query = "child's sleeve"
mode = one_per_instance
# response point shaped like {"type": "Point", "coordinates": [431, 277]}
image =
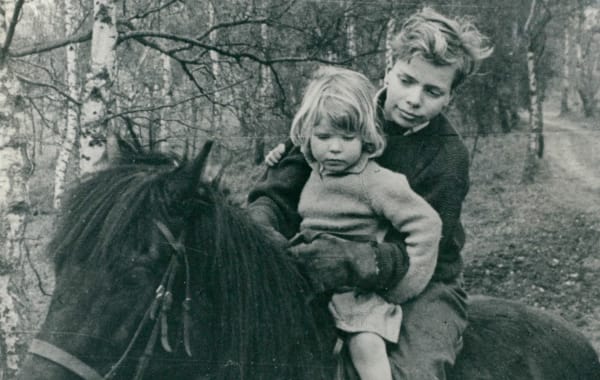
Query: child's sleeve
{"type": "Point", "coordinates": [393, 199]}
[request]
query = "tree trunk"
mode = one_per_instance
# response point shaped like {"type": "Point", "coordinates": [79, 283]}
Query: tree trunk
{"type": "Point", "coordinates": [350, 30]}
{"type": "Point", "coordinates": [72, 123]}
{"type": "Point", "coordinates": [214, 119]}
{"type": "Point", "coordinates": [98, 99]}
{"type": "Point", "coordinates": [586, 89]}
{"type": "Point", "coordinates": [263, 120]}
{"type": "Point", "coordinates": [389, 58]}
{"type": "Point", "coordinates": [566, 80]}
{"type": "Point", "coordinates": [535, 146]}
{"type": "Point", "coordinates": [164, 132]}
{"type": "Point", "coordinates": [14, 199]}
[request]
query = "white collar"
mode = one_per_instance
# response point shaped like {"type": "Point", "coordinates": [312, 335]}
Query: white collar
{"type": "Point", "coordinates": [415, 129]}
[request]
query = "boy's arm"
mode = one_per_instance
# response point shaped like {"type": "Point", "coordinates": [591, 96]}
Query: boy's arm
{"type": "Point", "coordinates": [331, 262]}
{"type": "Point", "coordinates": [445, 188]}
{"type": "Point", "coordinates": [392, 198]}
{"type": "Point", "coordinates": [274, 199]}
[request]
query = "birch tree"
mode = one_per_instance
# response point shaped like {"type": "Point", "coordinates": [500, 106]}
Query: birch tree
{"type": "Point", "coordinates": [586, 58]}
{"type": "Point", "coordinates": [71, 130]}
{"type": "Point", "coordinates": [164, 133]}
{"type": "Point", "coordinates": [14, 198]}
{"type": "Point", "coordinates": [389, 37]}
{"type": "Point", "coordinates": [566, 74]}
{"type": "Point", "coordinates": [263, 120]}
{"type": "Point", "coordinates": [350, 30]}
{"type": "Point", "coordinates": [533, 30]}
{"type": "Point", "coordinates": [97, 100]}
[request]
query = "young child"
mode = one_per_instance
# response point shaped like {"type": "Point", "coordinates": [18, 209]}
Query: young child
{"type": "Point", "coordinates": [432, 56]}
{"type": "Point", "coordinates": [350, 196]}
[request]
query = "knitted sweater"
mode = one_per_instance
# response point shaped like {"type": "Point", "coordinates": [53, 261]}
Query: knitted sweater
{"type": "Point", "coordinates": [365, 202]}
{"type": "Point", "coordinates": [435, 162]}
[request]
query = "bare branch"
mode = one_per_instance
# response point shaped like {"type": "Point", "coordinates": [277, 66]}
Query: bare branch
{"type": "Point", "coordinates": [236, 55]}
{"type": "Point", "coordinates": [173, 104]}
{"type": "Point", "coordinates": [43, 117]}
{"type": "Point", "coordinates": [42, 48]}
{"type": "Point", "coordinates": [55, 88]}
{"type": "Point", "coordinates": [530, 16]}
{"type": "Point", "coordinates": [11, 31]}
{"type": "Point", "coordinates": [231, 24]}
{"type": "Point", "coordinates": [40, 282]}
{"type": "Point", "coordinates": [150, 11]}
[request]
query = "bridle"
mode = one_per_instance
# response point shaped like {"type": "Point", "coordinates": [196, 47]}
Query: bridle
{"type": "Point", "coordinates": [156, 313]}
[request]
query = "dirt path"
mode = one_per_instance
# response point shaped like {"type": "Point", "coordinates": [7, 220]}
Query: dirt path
{"type": "Point", "coordinates": [572, 150]}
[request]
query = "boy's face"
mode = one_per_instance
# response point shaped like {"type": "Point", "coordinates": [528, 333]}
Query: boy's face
{"type": "Point", "coordinates": [417, 91]}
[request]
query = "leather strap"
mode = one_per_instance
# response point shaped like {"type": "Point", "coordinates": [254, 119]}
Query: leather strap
{"type": "Point", "coordinates": [64, 359]}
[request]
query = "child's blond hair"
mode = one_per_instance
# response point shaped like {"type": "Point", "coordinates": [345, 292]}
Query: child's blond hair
{"type": "Point", "coordinates": [442, 41]}
{"type": "Point", "coordinates": [343, 98]}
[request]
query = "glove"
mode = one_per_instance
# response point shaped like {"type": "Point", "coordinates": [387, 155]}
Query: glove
{"type": "Point", "coordinates": [276, 236]}
{"type": "Point", "coordinates": [330, 263]}
{"type": "Point", "coordinates": [261, 212]}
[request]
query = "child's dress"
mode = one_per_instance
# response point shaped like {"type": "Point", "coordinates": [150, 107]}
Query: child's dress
{"type": "Point", "coordinates": [362, 204]}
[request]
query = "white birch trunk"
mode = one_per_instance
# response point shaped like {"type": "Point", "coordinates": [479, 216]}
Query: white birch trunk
{"type": "Point", "coordinates": [72, 123]}
{"type": "Point", "coordinates": [264, 93]}
{"type": "Point", "coordinates": [350, 32]}
{"type": "Point", "coordinates": [215, 70]}
{"type": "Point", "coordinates": [535, 114]}
{"type": "Point", "coordinates": [389, 57]}
{"type": "Point", "coordinates": [164, 131]}
{"type": "Point", "coordinates": [566, 79]}
{"type": "Point", "coordinates": [97, 99]}
{"type": "Point", "coordinates": [14, 202]}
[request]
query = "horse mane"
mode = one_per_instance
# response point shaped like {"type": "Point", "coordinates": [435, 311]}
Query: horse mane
{"type": "Point", "coordinates": [263, 327]}
{"type": "Point", "coordinates": [110, 209]}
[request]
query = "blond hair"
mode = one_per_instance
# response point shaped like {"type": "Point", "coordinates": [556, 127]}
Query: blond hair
{"type": "Point", "coordinates": [442, 41]}
{"type": "Point", "coordinates": [344, 99]}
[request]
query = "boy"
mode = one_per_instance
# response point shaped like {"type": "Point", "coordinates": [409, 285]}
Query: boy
{"type": "Point", "coordinates": [432, 56]}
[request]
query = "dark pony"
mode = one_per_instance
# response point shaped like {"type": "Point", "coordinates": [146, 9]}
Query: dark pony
{"type": "Point", "coordinates": [148, 251]}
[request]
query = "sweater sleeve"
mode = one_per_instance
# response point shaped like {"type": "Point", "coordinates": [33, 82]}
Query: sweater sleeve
{"type": "Point", "coordinates": [274, 199]}
{"type": "Point", "coordinates": [393, 199]}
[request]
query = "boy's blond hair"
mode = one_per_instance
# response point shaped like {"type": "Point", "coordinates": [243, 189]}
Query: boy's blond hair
{"type": "Point", "coordinates": [442, 41]}
{"type": "Point", "coordinates": [344, 98]}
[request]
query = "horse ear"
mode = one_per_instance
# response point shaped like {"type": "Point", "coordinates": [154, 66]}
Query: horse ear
{"type": "Point", "coordinates": [125, 151]}
{"type": "Point", "coordinates": [200, 164]}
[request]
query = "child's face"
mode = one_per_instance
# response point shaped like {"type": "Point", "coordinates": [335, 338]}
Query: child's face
{"type": "Point", "coordinates": [417, 91]}
{"type": "Point", "coordinates": [335, 149]}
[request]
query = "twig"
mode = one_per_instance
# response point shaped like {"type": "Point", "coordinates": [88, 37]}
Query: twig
{"type": "Point", "coordinates": [35, 271]}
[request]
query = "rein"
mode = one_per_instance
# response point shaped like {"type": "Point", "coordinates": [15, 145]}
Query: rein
{"type": "Point", "coordinates": [157, 312]}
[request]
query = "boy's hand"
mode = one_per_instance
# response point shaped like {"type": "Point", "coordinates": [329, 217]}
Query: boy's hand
{"type": "Point", "coordinates": [331, 262]}
{"type": "Point", "coordinates": [274, 156]}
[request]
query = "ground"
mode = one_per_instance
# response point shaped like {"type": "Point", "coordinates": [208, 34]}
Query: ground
{"type": "Point", "coordinates": [536, 243]}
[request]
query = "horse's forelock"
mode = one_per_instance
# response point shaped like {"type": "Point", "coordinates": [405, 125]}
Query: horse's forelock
{"type": "Point", "coordinates": [110, 209]}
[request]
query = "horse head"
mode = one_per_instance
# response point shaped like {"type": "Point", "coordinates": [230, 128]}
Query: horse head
{"type": "Point", "coordinates": [156, 273]}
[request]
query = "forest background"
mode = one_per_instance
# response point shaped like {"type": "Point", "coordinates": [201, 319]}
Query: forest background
{"type": "Point", "coordinates": [175, 73]}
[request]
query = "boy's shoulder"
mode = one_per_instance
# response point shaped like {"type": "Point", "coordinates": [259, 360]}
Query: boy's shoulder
{"type": "Point", "coordinates": [376, 175]}
{"type": "Point", "coordinates": [448, 137]}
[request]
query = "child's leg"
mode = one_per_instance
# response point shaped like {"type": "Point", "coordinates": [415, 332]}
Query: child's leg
{"type": "Point", "coordinates": [369, 356]}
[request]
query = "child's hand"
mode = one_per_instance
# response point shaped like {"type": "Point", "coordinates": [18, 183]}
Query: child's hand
{"type": "Point", "coordinates": [274, 156]}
